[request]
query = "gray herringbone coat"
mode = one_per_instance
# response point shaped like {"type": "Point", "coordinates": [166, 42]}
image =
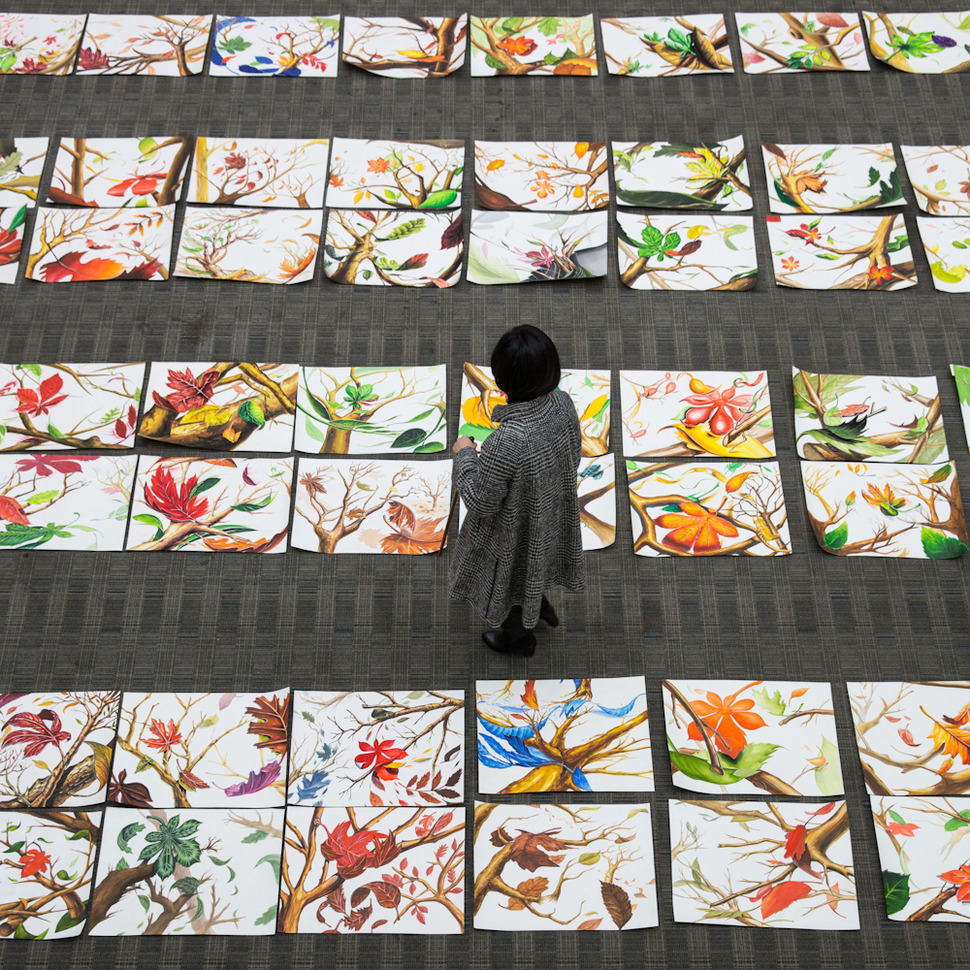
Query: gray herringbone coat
{"type": "Point", "coordinates": [521, 532]}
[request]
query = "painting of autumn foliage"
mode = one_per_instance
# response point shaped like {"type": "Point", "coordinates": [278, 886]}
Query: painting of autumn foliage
{"type": "Point", "coordinates": [406, 47]}
{"type": "Point", "coordinates": [522, 46]}
{"type": "Point", "coordinates": [39, 43]}
{"type": "Point", "coordinates": [165, 45]}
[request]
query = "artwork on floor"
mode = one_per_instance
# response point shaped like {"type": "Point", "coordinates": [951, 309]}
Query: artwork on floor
{"type": "Point", "coordinates": [778, 865]}
{"type": "Point", "coordinates": [187, 872]}
{"type": "Point", "coordinates": [531, 247]}
{"type": "Point", "coordinates": [563, 735]}
{"type": "Point", "coordinates": [11, 240]}
{"type": "Point", "coordinates": [752, 737]}
{"type": "Point", "coordinates": [897, 511]}
{"type": "Point", "coordinates": [596, 862]}
{"type": "Point", "coordinates": [378, 748]}
{"type": "Point", "coordinates": [520, 46]}
{"type": "Point", "coordinates": [21, 165]}
{"type": "Point", "coordinates": [40, 43]}
{"type": "Point", "coordinates": [406, 47]}
{"type": "Point", "coordinates": [277, 173]}
{"type": "Point", "coordinates": [55, 747]}
{"type": "Point", "coordinates": [381, 248]}
{"type": "Point", "coordinates": [50, 406]}
{"type": "Point", "coordinates": [841, 252]}
{"type": "Point", "coordinates": [65, 501]}
{"type": "Point", "coordinates": [221, 406]}
{"type": "Point", "coordinates": [248, 245]}
{"type": "Point", "coordinates": [52, 854]}
{"type": "Point", "coordinates": [684, 508]}
{"type": "Point", "coordinates": [946, 243]}
{"type": "Point", "coordinates": [166, 45]}
{"type": "Point", "coordinates": [830, 178]}
{"type": "Point", "coordinates": [201, 751]}
{"type": "Point", "coordinates": [596, 488]}
{"type": "Point", "coordinates": [542, 176]}
{"type": "Point", "coordinates": [850, 417]}
{"type": "Point", "coordinates": [940, 176]}
{"type": "Point", "coordinates": [691, 413]}
{"type": "Point", "coordinates": [386, 174]}
{"type": "Point", "coordinates": [781, 43]}
{"type": "Point", "coordinates": [371, 410]}
{"type": "Point", "coordinates": [913, 737]}
{"type": "Point", "coordinates": [920, 43]}
{"type": "Point", "coordinates": [275, 46]}
{"type": "Point", "coordinates": [371, 506]}
{"type": "Point", "coordinates": [687, 252]}
{"type": "Point", "coordinates": [372, 870]}
{"type": "Point", "coordinates": [666, 46]}
{"type": "Point", "coordinates": [211, 505]}
{"type": "Point", "coordinates": [961, 375]}
{"type": "Point", "coordinates": [711, 176]}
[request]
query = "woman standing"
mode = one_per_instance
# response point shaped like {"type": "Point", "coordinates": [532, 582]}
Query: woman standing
{"type": "Point", "coordinates": [521, 533]}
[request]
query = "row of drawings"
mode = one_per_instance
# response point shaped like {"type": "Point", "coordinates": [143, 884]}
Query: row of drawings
{"type": "Point", "coordinates": [514, 46]}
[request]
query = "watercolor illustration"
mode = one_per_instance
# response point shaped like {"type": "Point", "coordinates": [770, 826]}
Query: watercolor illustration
{"type": "Point", "coordinates": [521, 46]}
{"type": "Point", "coordinates": [921, 43]}
{"type": "Point", "coordinates": [782, 43]}
{"type": "Point", "coordinates": [406, 47]}
{"type": "Point", "coordinates": [666, 46]}
{"type": "Point", "coordinates": [41, 43]}
{"type": "Point", "coordinates": [166, 45]}
{"type": "Point", "coordinates": [275, 47]}
{"type": "Point", "coordinates": [961, 375]}
{"type": "Point", "coordinates": [596, 489]}
{"type": "Point", "coordinates": [946, 243]}
{"type": "Point", "coordinates": [11, 241]}
{"type": "Point", "coordinates": [940, 176]}
{"type": "Point", "coordinates": [21, 166]}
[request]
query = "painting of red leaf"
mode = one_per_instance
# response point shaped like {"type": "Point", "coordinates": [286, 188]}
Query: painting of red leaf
{"type": "Point", "coordinates": [406, 47]}
{"type": "Point", "coordinates": [12, 226]}
{"type": "Point", "coordinates": [275, 47]}
{"type": "Point", "coordinates": [536, 45]}
{"type": "Point", "coordinates": [40, 43]}
{"type": "Point", "coordinates": [166, 45]}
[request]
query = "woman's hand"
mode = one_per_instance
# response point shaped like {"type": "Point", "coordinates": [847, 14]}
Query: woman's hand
{"type": "Point", "coordinates": [463, 442]}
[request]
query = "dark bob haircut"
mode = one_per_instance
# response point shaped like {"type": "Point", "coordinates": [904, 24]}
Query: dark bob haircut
{"type": "Point", "coordinates": [525, 363]}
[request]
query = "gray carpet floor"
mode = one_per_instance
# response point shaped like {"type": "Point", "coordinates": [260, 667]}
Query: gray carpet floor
{"type": "Point", "coordinates": [141, 621]}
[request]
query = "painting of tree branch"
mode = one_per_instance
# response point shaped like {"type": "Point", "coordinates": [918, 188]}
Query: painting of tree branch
{"type": "Point", "coordinates": [542, 176]}
{"type": "Point", "coordinates": [946, 243]}
{"type": "Point", "coordinates": [275, 47]}
{"type": "Point", "coordinates": [940, 176]}
{"type": "Point", "coordinates": [406, 47]}
{"type": "Point", "coordinates": [596, 861]}
{"type": "Point", "coordinates": [683, 508]}
{"type": "Point", "coordinates": [596, 489]}
{"type": "Point", "coordinates": [386, 174]}
{"type": "Point", "coordinates": [11, 240]}
{"type": "Point", "coordinates": [65, 501]}
{"type": "Point", "coordinates": [657, 252]}
{"type": "Point", "coordinates": [249, 245]}
{"type": "Point", "coordinates": [371, 870]}
{"type": "Point", "coordinates": [380, 248]}
{"type": "Point", "coordinates": [782, 43]}
{"type": "Point", "coordinates": [529, 247]}
{"type": "Point", "coordinates": [758, 736]}
{"type": "Point", "coordinates": [208, 872]}
{"type": "Point", "coordinates": [371, 410]}
{"type": "Point", "coordinates": [898, 511]}
{"type": "Point", "coordinates": [778, 865]}
{"type": "Point", "coordinates": [55, 747]}
{"type": "Point", "coordinates": [831, 178]}
{"type": "Point", "coordinates": [679, 175]}
{"type": "Point", "coordinates": [913, 738]}
{"type": "Point", "coordinates": [211, 505]}
{"type": "Point", "coordinates": [164, 45]}
{"type": "Point", "coordinates": [378, 748]}
{"type": "Point", "coordinates": [691, 413]}
{"type": "Point", "coordinates": [40, 43]}
{"type": "Point", "coordinates": [841, 253]}
{"type": "Point", "coordinates": [563, 735]}
{"type": "Point", "coordinates": [849, 417]}
{"type": "Point", "coordinates": [961, 375]}
{"type": "Point", "coordinates": [520, 46]}
{"type": "Point", "coordinates": [21, 166]}
{"type": "Point", "coordinates": [221, 406]}
{"type": "Point", "coordinates": [666, 46]}
{"type": "Point", "coordinates": [922, 43]}
{"type": "Point", "coordinates": [48, 867]}
{"type": "Point", "coordinates": [376, 506]}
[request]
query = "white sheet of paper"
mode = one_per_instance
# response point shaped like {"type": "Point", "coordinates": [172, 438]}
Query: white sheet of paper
{"type": "Point", "coordinates": [940, 176]}
{"type": "Point", "coordinates": [21, 169]}
{"type": "Point", "coordinates": [406, 47]}
{"type": "Point", "coordinates": [946, 243]}
{"type": "Point", "coordinates": [275, 47]}
{"type": "Point", "coordinates": [169, 45]}
{"type": "Point", "coordinates": [782, 43]}
{"type": "Point", "coordinates": [41, 43]}
{"type": "Point", "coordinates": [533, 46]}
{"type": "Point", "coordinates": [666, 46]}
{"type": "Point", "coordinates": [920, 43]}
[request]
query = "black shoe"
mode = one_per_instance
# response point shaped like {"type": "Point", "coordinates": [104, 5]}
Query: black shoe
{"type": "Point", "coordinates": [500, 642]}
{"type": "Point", "coordinates": [547, 614]}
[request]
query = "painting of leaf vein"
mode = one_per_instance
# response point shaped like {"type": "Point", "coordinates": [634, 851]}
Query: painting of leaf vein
{"type": "Point", "coordinates": [781, 43]}
{"type": "Point", "coordinates": [831, 178]}
{"type": "Point", "coordinates": [940, 176]}
{"type": "Point", "coordinates": [363, 870]}
{"type": "Point", "coordinates": [48, 867]}
{"type": "Point", "coordinates": [21, 166]}
{"type": "Point", "coordinates": [679, 175]}
{"type": "Point", "coordinates": [165, 45]}
{"type": "Point", "coordinates": [564, 867]}
{"type": "Point", "coordinates": [563, 735]}
{"type": "Point", "coordinates": [542, 176]}
{"type": "Point", "coordinates": [946, 243]}
{"type": "Point", "coordinates": [763, 864]}
{"type": "Point", "coordinates": [11, 240]}
{"type": "Point", "coordinates": [39, 43]}
{"type": "Point", "coordinates": [208, 872]}
{"type": "Point", "coordinates": [378, 748]}
{"type": "Point", "coordinates": [275, 47]}
{"type": "Point", "coordinates": [683, 508]}
{"type": "Point", "coordinates": [666, 46]}
{"type": "Point", "coordinates": [519, 46]}
{"type": "Point", "coordinates": [841, 252]}
{"type": "Point", "coordinates": [376, 506]}
{"type": "Point", "coordinates": [923, 43]}
{"type": "Point", "coordinates": [406, 47]}
{"type": "Point", "coordinates": [368, 410]}
{"type": "Point", "coordinates": [761, 736]}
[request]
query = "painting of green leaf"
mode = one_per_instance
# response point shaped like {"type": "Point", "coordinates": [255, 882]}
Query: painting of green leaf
{"type": "Point", "coordinates": [406, 47]}
{"type": "Point", "coordinates": [43, 43]}
{"type": "Point", "coordinates": [961, 375]}
{"type": "Point", "coordinates": [946, 243]}
{"type": "Point", "coordinates": [784, 43]}
{"type": "Point", "coordinates": [940, 176]}
{"type": "Point", "coordinates": [666, 46]}
{"type": "Point", "coordinates": [920, 43]}
{"type": "Point", "coordinates": [275, 47]}
{"type": "Point", "coordinates": [21, 166]}
{"type": "Point", "coordinates": [523, 46]}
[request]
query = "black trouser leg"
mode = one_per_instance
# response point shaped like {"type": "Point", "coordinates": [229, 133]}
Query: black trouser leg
{"type": "Point", "coordinates": [512, 625]}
